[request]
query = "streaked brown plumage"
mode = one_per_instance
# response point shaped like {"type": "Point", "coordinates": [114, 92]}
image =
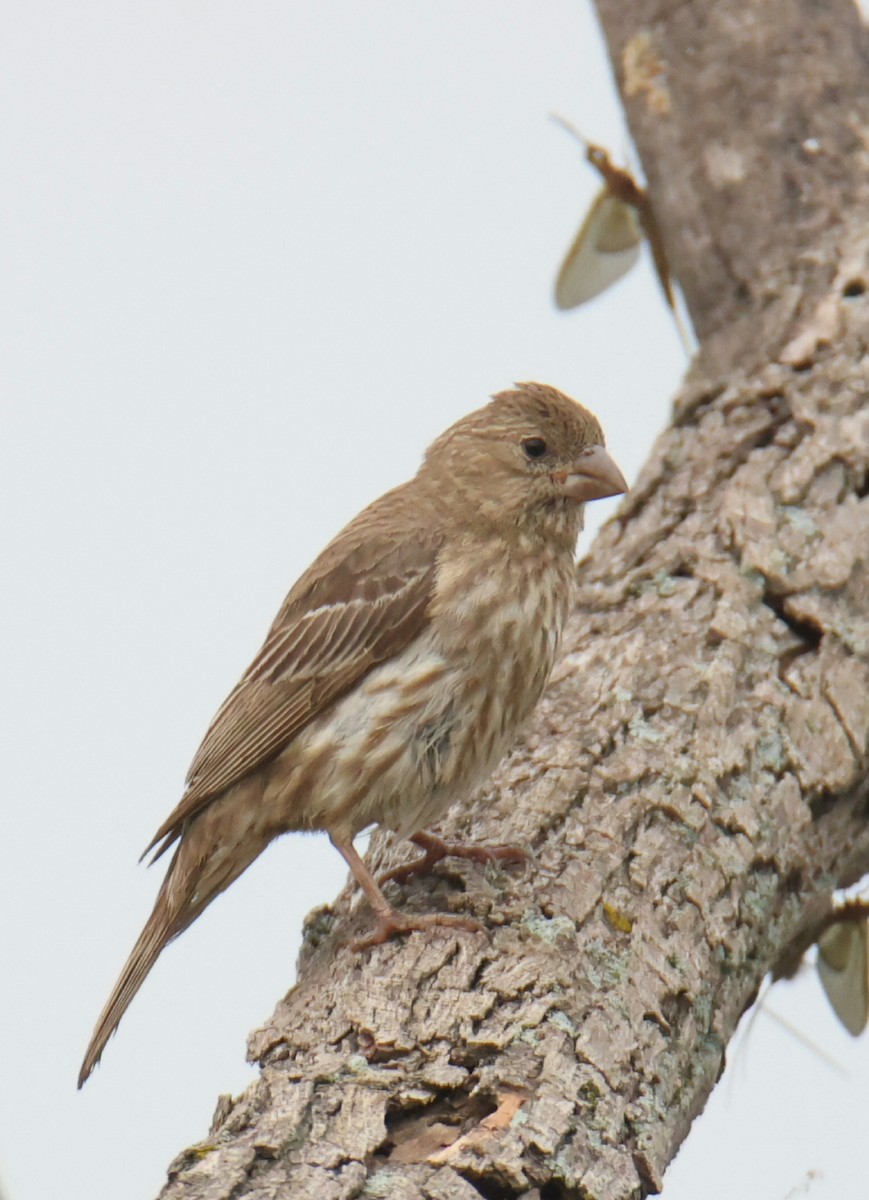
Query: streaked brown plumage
{"type": "Point", "coordinates": [398, 670]}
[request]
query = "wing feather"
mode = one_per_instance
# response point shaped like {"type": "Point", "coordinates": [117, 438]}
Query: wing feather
{"type": "Point", "coordinates": [361, 602]}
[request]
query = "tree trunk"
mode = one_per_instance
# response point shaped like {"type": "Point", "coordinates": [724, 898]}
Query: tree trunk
{"type": "Point", "coordinates": [694, 782]}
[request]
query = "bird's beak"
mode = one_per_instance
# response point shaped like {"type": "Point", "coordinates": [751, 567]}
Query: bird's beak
{"type": "Point", "coordinates": [594, 476]}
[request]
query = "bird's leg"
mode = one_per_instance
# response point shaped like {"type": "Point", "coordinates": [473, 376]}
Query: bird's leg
{"type": "Point", "coordinates": [435, 848]}
{"type": "Point", "coordinates": [391, 922]}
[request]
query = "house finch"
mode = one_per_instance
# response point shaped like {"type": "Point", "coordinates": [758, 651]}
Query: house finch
{"type": "Point", "coordinates": [397, 671]}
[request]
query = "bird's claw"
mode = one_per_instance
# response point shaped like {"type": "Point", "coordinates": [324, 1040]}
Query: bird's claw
{"type": "Point", "coordinates": [396, 924]}
{"type": "Point", "coordinates": [436, 849]}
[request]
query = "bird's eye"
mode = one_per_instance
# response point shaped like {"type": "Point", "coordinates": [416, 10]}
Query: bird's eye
{"type": "Point", "coordinates": [534, 447]}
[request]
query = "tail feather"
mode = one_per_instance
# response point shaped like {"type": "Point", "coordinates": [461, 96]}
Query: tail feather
{"type": "Point", "coordinates": [213, 851]}
{"type": "Point", "coordinates": [161, 927]}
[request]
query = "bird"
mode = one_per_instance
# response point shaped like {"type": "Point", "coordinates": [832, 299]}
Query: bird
{"type": "Point", "coordinates": [397, 673]}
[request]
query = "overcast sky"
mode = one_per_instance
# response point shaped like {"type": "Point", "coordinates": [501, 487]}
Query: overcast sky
{"type": "Point", "coordinates": [254, 257]}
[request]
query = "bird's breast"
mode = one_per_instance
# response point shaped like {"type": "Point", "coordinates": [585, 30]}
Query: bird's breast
{"type": "Point", "coordinates": [499, 619]}
{"type": "Point", "coordinates": [503, 613]}
{"type": "Point", "coordinates": [419, 731]}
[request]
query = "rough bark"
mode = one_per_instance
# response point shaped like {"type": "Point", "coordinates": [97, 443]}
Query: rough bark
{"type": "Point", "coordinates": [694, 782]}
{"type": "Point", "coordinates": [750, 119]}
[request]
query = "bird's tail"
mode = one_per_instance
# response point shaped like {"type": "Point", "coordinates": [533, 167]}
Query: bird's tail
{"type": "Point", "coordinates": [214, 849]}
{"type": "Point", "coordinates": [167, 920]}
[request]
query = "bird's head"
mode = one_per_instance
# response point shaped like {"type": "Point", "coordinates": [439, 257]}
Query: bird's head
{"type": "Point", "coordinates": [531, 457]}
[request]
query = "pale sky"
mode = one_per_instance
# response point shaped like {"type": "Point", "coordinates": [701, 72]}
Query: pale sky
{"type": "Point", "coordinates": [254, 257]}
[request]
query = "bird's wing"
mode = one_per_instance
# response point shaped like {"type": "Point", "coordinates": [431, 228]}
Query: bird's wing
{"type": "Point", "coordinates": [360, 603]}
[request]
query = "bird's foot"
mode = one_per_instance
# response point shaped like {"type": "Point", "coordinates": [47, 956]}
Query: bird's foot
{"type": "Point", "coordinates": [397, 924]}
{"type": "Point", "coordinates": [436, 848]}
{"type": "Point", "coordinates": [390, 922]}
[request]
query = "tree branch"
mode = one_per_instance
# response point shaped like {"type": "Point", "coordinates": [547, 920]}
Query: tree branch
{"type": "Point", "coordinates": [694, 784]}
{"type": "Point", "coordinates": [750, 121]}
